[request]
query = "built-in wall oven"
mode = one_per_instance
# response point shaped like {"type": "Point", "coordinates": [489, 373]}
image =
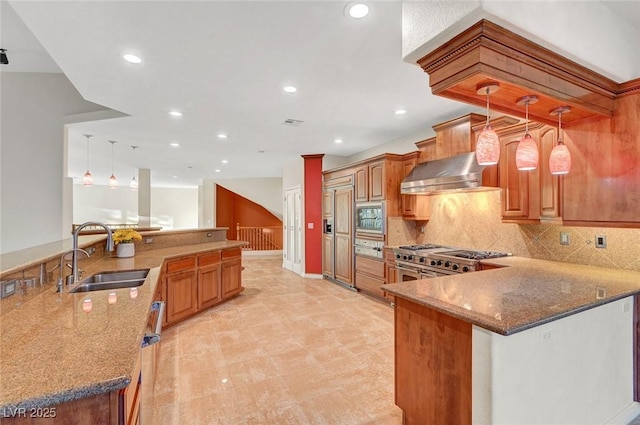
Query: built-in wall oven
{"type": "Point", "coordinates": [370, 218]}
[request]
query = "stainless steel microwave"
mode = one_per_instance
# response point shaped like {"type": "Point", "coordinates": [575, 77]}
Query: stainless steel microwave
{"type": "Point", "coordinates": [370, 217]}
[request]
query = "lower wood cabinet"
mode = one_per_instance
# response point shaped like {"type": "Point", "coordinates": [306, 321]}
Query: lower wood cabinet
{"type": "Point", "coordinates": [196, 282]}
{"type": "Point", "coordinates": [370, 276]}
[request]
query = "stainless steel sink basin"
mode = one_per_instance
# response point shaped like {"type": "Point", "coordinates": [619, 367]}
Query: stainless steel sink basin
{"type": "Point", "coordinates": [112, 280]}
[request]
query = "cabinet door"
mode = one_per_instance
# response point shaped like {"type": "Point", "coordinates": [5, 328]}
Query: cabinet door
{"type": "Point", "coordinates": [343, 222]}
{"type": "Point", "coordinates": [327, 204]}
{"type": "Point", "coordinates": [327, 255]}
{"type": "Point", "coordinates": [514, 183]}
{"type": "Point", "coordinates": [550, 194]}
{"type": "Point", "coordinates": [377, 181]}
{"type": "Point", "coordinates": [362, 184]}
{"type": "Point", "coordinates": [209, 288]}
{"type": "Point", "coordinates": [344, 258]}
{"type": "Point", "coordinates": [231, 277]}
{"type": "Point", "coordinates": [182, 295]}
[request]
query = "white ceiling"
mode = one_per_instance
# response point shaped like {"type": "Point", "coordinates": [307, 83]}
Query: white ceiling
{"type": "Point", "coordinates": [224, 64]}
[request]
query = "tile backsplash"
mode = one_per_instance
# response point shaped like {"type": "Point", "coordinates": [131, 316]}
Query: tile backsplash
{"type": "Point", "coordinates": [473, 220]}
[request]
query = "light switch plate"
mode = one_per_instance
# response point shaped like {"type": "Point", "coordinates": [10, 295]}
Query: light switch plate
{"type": "Point", "coordinates": [565, 238]}
{"type": "Point", "coordinates": [601, 241]}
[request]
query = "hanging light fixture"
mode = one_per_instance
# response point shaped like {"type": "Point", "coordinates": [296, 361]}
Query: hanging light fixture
{"type": "Point", "coordinates": [134, 182]}
{"type": "Point", "coordinates": [560, 157]}
{"type": "Point", "coordinates": [488, 144]}
{"type": "Point", "coordinates": [527, 151]}
{"type": "Point", "coordinates": [87, 179]}
{"type": "Point", "coordinates": [113, 181]}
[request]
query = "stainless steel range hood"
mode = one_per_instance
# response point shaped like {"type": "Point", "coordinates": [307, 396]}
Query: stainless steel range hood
{"type": "Point", "coordinates": [457, 173]}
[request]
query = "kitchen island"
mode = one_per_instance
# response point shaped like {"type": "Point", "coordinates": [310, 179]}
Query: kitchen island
{"type": "Point", "coordinates": [530, 342]}
{"type": "Point", "coordinates": [58, 358]}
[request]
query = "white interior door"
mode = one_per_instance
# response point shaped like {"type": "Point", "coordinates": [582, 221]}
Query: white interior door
{"type": "Point", "coordinates": [292, 250]}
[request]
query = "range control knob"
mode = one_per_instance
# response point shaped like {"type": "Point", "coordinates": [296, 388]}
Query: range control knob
{"type": "Point", "coordinates": [422, 259]}
{"type": "Point", "coordinates": [398, 256]}
{"type": "Point", "coordinates": [433, 262]}
{"type": "Point", "coordinates": [465, 269]}
{"type": "Point", "coordinates": [439, 263]}
{"type": "Point", "coordinates": [455, 267]}
{"type": "Point", "coordinates": [405, 258]}
{"type": "Point", "coordinates": [447, 264]}
{"type": "Point", "coordinates": [411, 258]}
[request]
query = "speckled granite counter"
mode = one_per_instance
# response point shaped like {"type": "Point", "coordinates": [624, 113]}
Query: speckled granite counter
{"type": "Point", "coordinates": [51, 351]}
{"type": "Point", "coordinates": [524, 293]}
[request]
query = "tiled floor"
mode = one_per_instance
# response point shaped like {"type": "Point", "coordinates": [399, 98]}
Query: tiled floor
{"type": "Point", "coordinates": [287, 351]}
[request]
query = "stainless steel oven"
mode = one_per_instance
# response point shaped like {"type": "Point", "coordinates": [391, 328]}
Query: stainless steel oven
{"type": "Point", "coordinates": [408, 272]}
{"type": "Point", "coordinates": [368, 248]}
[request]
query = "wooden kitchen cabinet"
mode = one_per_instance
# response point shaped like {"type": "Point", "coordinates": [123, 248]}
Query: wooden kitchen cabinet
{"type": "Point", "coordinates": [327, 255]}
{"type": "Point", "coordinates": [391, 271]}
{"type": "Point", "coordinates": [370, 275]}
{"type": "Point", "coordinates": [182, 295]}
{"type": "Point", "coordinates": [209, 280]}
{"type": "Point", "coordinates": [414, 207]}
{"type": "Point", "coordinates": [370, 182]}
{"type": "Point", "coordinates": [528, 196]}
{"type": "Point", "coordinates": [327, 204]}
{"type": "Point", "coordinates": [231, 272]}
{"type": "Point", "coordinates": [361, 192]}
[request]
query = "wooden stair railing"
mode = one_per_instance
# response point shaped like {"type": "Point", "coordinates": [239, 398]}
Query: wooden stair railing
{"type": "Point", "coordinates": [265, 238]}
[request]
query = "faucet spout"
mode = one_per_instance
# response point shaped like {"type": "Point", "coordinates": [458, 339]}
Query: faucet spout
{"type": "Point", "coordinates": [61, 271]}
{"type": "Point", "coordinates": [76, 233]}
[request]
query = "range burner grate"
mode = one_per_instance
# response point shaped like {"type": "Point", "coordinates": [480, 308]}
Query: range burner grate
{"type": "Point", "coordinates": [421, 246]}
{"type": "Point", "coordinates": [477, 255]}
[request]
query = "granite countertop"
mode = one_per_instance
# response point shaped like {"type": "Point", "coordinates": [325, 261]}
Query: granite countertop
{"type": "Point", "coordinates": [522, 294]}
{"type": "Point", "coordinates": [51, 351]}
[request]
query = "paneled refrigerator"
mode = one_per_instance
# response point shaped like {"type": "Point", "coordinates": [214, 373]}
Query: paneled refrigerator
{"type": "Point", "coordinates": [337, 242]}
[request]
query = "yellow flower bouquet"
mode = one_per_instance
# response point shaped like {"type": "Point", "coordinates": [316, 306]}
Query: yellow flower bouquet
{"type": "Point", "coordinates": [126, 236]}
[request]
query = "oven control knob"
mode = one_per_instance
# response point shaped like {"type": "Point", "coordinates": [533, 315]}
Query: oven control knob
{"type": "Point", "coordinates": [439, 263]}
{"type": "Point", "coordinates": [422, 259]}
{"type": "Point", "coordinates": [404, 257]}
{"type": "Point", "coordinates": [398, 256]}
{"type": "Point", "coordinates": [447, 264]}
{"type": "Point", "coordinates": [465, 269]}
{"type": "Point", "coordinates": [410, 258]}
{"type": "Point", "coordinates": [433, 262]}
{"type": "Point", "coordinates": [455, 267]}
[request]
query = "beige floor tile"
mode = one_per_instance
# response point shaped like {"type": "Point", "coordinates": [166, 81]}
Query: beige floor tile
{"type": "Point", "coordinates": [288, 350]}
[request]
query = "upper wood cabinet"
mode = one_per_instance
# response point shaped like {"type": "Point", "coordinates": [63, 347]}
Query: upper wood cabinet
{"type": "Point", "coordinates": [528, 196]}
{"type": "Point", "coordinates": [371, 182]}
{"type": "Point", "coordinates": [455, 136]}
{"type": "Point", "coordinates": [414, 207]}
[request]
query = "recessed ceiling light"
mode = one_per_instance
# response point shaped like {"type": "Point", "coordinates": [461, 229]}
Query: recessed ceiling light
{"type": "Point", "coordinates": [224, 161]}
{"type": "Point", "coordinates": [357, 10]}
{"type": "Point", "coordinates": [175, 144]}
{"type": "Point", "coordinates": [337, 141]}
{"type": "Point", "coordinates": [222, 136]}
{"type": "Point", "coordinates": [400, 111]}
{"type": "Point", "coordinates": [132, 58]}
{"type": "Point", "coordinates": [175, 113]}
{"type": "Point", "coordinates": [217, 171]}
{"type": "Point", "coordinates": [290, 89]}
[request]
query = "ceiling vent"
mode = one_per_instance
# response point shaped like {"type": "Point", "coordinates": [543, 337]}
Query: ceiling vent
{"type": "Point", "coordinates": [292, 122]}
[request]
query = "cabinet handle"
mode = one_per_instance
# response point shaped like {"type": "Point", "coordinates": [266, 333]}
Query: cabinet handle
{"type": "Point", "coordinates": [153, 338]}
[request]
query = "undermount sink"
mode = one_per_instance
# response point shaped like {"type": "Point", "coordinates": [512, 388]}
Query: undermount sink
{"type": "Point", "coordinates": [112, 280]}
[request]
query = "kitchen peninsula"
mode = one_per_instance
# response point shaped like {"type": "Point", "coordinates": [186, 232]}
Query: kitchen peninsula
{"type": "Point", "coordinates": [57, 356]}
{"type": "Point", "coordinates": [528, 342]}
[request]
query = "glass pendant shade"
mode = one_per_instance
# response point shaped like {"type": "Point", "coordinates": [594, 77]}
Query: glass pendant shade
{"type": "Point", "coordinates": [527, 154]}
{"type": "Point", "coordinates": [87, 179]}
{"type": "Point", "coordinates": [113, 181]}
{"type": "Point", "coordinates": [560, 159]}
{"type": "Point", "coordinates": [488, 144]}
{"type": "Point", "coordinates": [134, 184]}
{"type": "Point", "coordinates": [527, 151]}
{"type": "Point", "coordinates": [488, 147]}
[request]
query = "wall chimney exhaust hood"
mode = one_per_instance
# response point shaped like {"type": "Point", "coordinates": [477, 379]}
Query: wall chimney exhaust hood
{"type": "Point", "coordinates": [456, 173]}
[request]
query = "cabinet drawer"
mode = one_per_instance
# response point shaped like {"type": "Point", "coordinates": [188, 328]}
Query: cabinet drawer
{"type": "Point", "coordinates": [369, 284]}
{"type": "Point", "coordinates": [369, 265]}
{"type": "Point", "coordinates": [208, 258]}
{"type": "Point", "coordinates": [230, 253]}
{"type": "Point", "coordinates": [181, 264]}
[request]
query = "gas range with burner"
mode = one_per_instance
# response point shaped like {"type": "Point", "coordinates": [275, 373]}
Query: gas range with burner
{"type": "Point", "coordinates": [428, 260]}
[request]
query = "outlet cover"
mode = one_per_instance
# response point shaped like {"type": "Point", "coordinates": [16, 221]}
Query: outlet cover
{"type": "Point", "coordinates": [601, 241]}
{"type": "Point", "coordinates": [565, 238]}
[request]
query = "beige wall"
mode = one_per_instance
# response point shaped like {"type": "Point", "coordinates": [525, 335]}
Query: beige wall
{"type": "Point", "coordinates": [473, 220]}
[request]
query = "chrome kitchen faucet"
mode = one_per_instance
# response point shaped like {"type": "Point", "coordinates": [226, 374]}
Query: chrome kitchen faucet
{"type": "Point", "coordinates": [76, 232]}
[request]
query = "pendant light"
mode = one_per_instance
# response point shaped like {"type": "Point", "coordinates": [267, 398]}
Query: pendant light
{"type": "Point", "coordinates": [87, 179]}
{"type": "Point", "coordinates": [560, 157]}
{"type": "Point", "coordinates": [134, 182]}
{"type": "Point", "coordinates": [488, 144]}
{"type": "Point", "coordinates": [113, 181]}
{"type": "Point", "coordinates": [527, 151]}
